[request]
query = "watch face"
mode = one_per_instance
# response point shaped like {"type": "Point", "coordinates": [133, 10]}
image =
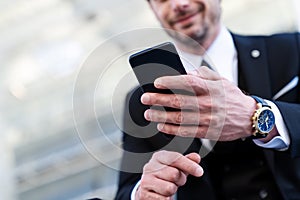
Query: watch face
{"type": "Point", "coordinates": [266, 121]}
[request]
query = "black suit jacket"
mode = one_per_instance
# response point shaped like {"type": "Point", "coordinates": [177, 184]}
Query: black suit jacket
{"type": "Point", "coordinates": [276, 66]}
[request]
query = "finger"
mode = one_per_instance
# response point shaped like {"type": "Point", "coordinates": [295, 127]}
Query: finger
{"type": "Point", "coordinates": [179, 161]}
{"type": "Point", "coordinates": [205, 73]}
{"type": "Point", "coordinates": [194, 157]}
{"type": "Point", "coordinates": [174, 100]}
{"type": "Point", "coordinates": [177, 117]}
{"type": "Point", "coordinates": [184, 131]}
{"type": "Point", "coordinates": [171, 174]}
{"type": "Point", "coordinates": [195, 132]}
{"type": "Point", "coordinates": [158, 186]}
{"type": "Point", "coordinates": [190, 83]}
{"type": "Point", "coordinates": [162, 171]}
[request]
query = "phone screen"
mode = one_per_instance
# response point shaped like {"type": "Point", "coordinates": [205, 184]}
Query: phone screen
{"type": "Point", "coordinates": [154, 62]}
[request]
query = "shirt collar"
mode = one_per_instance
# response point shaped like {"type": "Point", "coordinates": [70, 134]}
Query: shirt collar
{"type": "Point", "coordinates": [222, 55]}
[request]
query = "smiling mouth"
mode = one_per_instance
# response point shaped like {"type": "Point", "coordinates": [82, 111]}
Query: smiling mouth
{"type": "Point", "coordinates": [188, 15]}
{"type": "Point", "coordinates": [185, 18]}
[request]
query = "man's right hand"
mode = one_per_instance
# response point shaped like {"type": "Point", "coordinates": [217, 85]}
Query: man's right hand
{"type": "Point", "coordinates": [165, 172]}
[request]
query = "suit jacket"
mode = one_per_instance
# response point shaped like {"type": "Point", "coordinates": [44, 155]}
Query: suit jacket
{"type": "Point", "coordinates": [272, 74]}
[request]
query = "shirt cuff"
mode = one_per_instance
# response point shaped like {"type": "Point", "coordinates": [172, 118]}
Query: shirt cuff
{"type": "Point", "coordinates": [282, 141]}
{"type": "Point", "coordinates": [132, 196]}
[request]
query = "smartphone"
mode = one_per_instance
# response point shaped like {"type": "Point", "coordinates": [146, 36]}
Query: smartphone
{"type": "Point", "coordinates": [155, 62]}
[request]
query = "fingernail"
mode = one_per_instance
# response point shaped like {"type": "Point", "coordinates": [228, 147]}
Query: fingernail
{"type": "Point", "coordinates": [145, 98]}
{"type": "Point", "coordinates": [160, 127]}
{"type": "Point", "coordinates": [147, 115]}
{"type": "Point", "coordinates": [199, 171]}
{"type": "Point", "coordinates": [158, 83]}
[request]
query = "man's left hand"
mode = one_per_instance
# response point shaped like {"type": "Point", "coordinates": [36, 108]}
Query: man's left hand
{"type": "Point", "coordinates": [218, 110]}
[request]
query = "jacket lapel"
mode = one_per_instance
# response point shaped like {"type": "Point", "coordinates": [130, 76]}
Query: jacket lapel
{"type": "Point", "coordinates": [254, 77]}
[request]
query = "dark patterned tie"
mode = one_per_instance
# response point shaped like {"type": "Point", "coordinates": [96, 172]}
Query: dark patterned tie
{"type": "Point", "coordinates": [208, 144]}
{"type": "Point", "coordinates": [204, 63]}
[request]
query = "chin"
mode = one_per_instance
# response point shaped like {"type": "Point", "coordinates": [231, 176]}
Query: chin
{"type": "Point", "coordinates": [191, 35]}
{"type": "Point", "coordinates": [199, 34]}
{"type": "Point", "coordinates": [195, 34]}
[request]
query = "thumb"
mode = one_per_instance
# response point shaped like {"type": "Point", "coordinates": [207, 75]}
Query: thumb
{"type": "Point", "coordinates": [205, 73]}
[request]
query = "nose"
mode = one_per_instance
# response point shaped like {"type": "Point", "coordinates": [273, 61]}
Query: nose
{"type": "Point", "coordinates": [180, 5]}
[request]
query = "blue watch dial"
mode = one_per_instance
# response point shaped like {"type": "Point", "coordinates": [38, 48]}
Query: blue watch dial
{"type": "Point", "coordinates": [266, 121]}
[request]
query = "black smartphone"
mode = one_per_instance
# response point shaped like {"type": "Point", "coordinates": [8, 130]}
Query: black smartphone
{"type": "Point", "coordinates": [154, 62]}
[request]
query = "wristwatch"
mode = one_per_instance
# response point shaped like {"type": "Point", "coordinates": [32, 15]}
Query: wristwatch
{"type": "Point", "coordinates": [263, 119]}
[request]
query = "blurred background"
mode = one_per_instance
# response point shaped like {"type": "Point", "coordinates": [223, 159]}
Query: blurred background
{"type": "Point", "coordinates": [42, 47]}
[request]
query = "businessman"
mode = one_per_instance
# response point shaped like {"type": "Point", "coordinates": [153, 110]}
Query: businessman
{"type": "Point", "coordinates": [248, 105]}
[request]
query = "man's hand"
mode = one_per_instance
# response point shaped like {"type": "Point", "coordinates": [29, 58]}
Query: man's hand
{"type": "Point", "coordinates": [219, 110]}
{"type": "Point", "coordinates": [165, 172]}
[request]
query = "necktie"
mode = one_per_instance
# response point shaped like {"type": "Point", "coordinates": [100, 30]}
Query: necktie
{"type": "Point", "coordinates": [206, 142]}
{"type": "Point", "coordinates": [204, 63]}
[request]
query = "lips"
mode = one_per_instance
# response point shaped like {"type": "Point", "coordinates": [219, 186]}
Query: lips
{"type": "Point", "coordinates": [185, 19]}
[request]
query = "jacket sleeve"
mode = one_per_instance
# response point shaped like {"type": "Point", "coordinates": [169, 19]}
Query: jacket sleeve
{"type": "Point", "coordinates": [289, 106]}
{"type": "Point", "coordinates": [137, 150]}
{"type": "Point", "coordinates": [291, 116]}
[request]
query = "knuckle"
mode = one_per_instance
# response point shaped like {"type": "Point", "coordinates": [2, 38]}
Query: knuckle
{"type": "Point", "coordinates": [191, 81]}
{"type": "Point", "coordinates": [207, 103]}
{"type": "Point", "coordinates": [180, 101]}
{"type": "Point", "coordinates": [214, 119]}
{"type": "Point", "coordinates": [197, 103]}
{"type": "Point", "coordinates": [146, 168]}
{"type": "Point", "coordinates": [193, 132]}
{"type": "Point", "coordinates": [183, 181]}
{"type": "Point", "coordinates": [176, 103]}
{"type": "Point", "coordinates": [142, 183]}
{"type": "Point", "coordinates": [207, 119]}
{"type": "Point", "coordinates": [156, 155]}
{"type": "Point", "coordinates": [170, 189]}
{"type": "Point", "coordinates": [179, 118]}
{"type": "Point", "coordinates": [175, 176]}
{"type": "Point", "coordinates": [199, 133]}
{"type": "Point", "coordinates": [165, 128]}
{"type": "Point", "coordinates": [145, 196]}
{"type": "Point", "coordinates": [175, 155]}
{"type": "Point", "coordinates": [202, 132]}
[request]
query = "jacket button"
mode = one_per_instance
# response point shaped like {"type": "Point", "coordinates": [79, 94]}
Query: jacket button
{"type": "Point", "coordinates": [255, 53]}
{"type": "Point", "coordinates": [263, 194]}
